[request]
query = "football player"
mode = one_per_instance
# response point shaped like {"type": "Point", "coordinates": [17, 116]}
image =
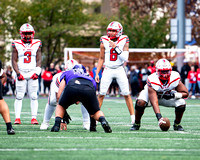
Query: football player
{"type": "Point", "coordinates": [163, 88]}
{"type": "Point", "coordinates": [77, 86]}
{"type": "Point", "coordinates": [4, 110]}
{"type": "Point", "coordinates": [26, 61]}
{"type": "Point", "coordinates": [114, 51]}
{"type": "Point", "coordinates": [52, 101]}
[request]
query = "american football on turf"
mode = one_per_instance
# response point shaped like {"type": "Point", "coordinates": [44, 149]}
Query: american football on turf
{"type": "Point", "coordinates": [165, 126]}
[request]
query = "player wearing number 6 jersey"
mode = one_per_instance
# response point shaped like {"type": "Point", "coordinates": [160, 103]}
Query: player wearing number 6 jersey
{"type": "Point", "coordinates": [26, 61]}
{"type": "Point", "coordinates": [114, 51]}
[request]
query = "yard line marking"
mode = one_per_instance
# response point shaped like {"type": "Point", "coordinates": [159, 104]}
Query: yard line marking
{"type": "Point", "coordinates": [100, 149]}
{"type": "Point", "coordinates": [110, 138]}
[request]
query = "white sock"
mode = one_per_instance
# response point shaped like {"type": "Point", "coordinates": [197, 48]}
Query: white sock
{"type": "Point", "coordinates": [18, 108]}
{"type": "Point", "coordinates": [34, 108]}
{"type": "Point", "coordinates": [85, 114]}
{"type": "Point", "coordinates": [49, 109]}
{"type": "Point", "coordinates": [132, 119]}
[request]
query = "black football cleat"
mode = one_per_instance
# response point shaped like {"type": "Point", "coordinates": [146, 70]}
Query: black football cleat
{"type": "Point", "coordinates": [135, 127]}
{"type": "Point", "coordinates": [11, 131]}
{"type": "Point", "coordinates": [106, 126]}
{"type": "Point", "coordinates": [55, 129]}
{"type": "Point", "coordinates": [178, 127]}
{"type": "Point", "coordinates": [93, 129]}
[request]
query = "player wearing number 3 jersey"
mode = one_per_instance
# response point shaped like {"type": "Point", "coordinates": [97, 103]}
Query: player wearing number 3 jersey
{"type": "Point", "coordinates": [26, 61]}
{"type": "Point", "coordinates": [114, 51]}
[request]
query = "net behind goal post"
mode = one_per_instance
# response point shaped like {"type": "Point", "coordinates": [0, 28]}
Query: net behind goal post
{"type": "Point", "coordinates": [87, 56]}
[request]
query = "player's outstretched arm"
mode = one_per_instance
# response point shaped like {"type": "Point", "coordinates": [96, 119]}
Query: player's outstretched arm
{"type": "Point", "coordinates": [153, 99]}
{"type": "Point", "coordinates": [61, 88]}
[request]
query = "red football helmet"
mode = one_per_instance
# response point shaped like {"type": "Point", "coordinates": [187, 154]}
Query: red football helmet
{"type": "Point", "coordinates": [163, 69]}
{"type": "Point", "coordinates": [116, 26]}
{"type": "Point", "coordinates": [70, 64]}
{"type": "Point", "coordinates": [27, 32]}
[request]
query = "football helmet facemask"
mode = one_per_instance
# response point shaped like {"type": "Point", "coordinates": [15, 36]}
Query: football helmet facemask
{"type": "Point", "coordinates": [114, 26]}
{"type": "Point", "coordinates": [80, 68]}
{"type": "Point", "coordinates": [163, 69]}
{"type": "Point", "coordinates": [70, 64]}
{"type": "Point", "coordinates": [27, 32]}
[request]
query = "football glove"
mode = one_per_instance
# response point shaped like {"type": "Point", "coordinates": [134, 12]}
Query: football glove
{"type": "Point", "coordinates": [66, 118]}
{"type": "Point", "coordinates": [34, 76]}
{"type": "Point", "coordinates": [168, 96]}
{"type": "Point", "coordinates": [20, 77]}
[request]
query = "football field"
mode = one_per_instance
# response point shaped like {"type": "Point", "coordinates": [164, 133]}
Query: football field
{"type": "Point", "coordinates": [149, 142]}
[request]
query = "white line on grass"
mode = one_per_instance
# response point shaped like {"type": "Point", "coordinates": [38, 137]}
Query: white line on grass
{"type": "Point", "coordinates": [100, 149]}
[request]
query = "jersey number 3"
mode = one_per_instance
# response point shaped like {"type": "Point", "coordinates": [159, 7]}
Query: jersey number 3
{"type": "Point", "coordinates": [27, 58]}
{"type": "Point", "coordinates": [113, 55]}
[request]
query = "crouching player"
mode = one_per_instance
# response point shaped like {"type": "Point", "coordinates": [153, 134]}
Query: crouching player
{"type": "Point", "coordinates": [76, 86]}
{"type": "Point", "coordinates": [52, 102]}
{"type": "Point", "coordinates": [163, 88]}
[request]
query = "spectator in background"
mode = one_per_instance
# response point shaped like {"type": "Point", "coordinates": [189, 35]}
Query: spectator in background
{"type": "Point", "coordinates": [94, 74]}
{"type": "Point", "coordinates": [198, 79]}
{"type": "Point", "coordinates": [52, 69]}
{"type": "Point", "coordinates": [89, 71]}
{"type": "Point", "coordinates": [57, 67]}
{"type": "Point", "coordinates": [184, 71]}
{"type": "Point", "coordinates": [192, 76]}
{"type": "Point", "coordinates": [134, 81]}
{"type": "Point", "coordinates": [47, 78]}
{"type": "Point", "coordinates": [174, 67]}
{"type": "Point", "coordinates": [152, 67]}
{"type": "Point", "coordinates": [145, 72]}
{"type": "Point", "coordinates": [10, 80]}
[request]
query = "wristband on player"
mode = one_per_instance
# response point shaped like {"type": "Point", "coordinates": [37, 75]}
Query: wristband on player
{"type": "Point", "coordinates": [158, 116]}
{"type": "Point", "coordinates": [178, 95]}
{"type": "Point", "coordinates": [38, 70]}
{"type": "Point", "coordinates": [117, 50]}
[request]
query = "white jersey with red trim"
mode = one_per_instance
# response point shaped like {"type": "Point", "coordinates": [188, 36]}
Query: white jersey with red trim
{"type": "Point", "coordinates": [154, 82]}
{"type": "Point", "coordinates": [112, 60]}
{"type": "Point", "coordinates": [56, 82]}
{"type": "Point", "coordinates": [27, 54]}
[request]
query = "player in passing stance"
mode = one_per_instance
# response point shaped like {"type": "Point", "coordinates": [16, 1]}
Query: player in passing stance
{"type": "Point", "coordinates": [26, 61]}
{"type": "Point", "coordinates": [163, 88]}
{"type": "Point", "coordinates": [52, 102]}
{"type": "Point", "coordinates": [114, 51]}
{"type": "Point", "coordinates": [77, 86]}
{"type": "Point", "coordinates": [4, 110]}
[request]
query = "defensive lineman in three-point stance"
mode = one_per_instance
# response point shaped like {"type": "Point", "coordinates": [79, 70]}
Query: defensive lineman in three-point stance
{"type": "Point", "coordinates": [26, 61]}
{"type": "Point", "coordinates": [114, 51]}
{"type": "Point", "coordinates": [163, 88]}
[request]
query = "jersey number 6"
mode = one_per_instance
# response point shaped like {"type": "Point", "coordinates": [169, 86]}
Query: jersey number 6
{"type": "Point", "coordinates": [113, 55]}
{"type": "Point", "coordinates": [28, 57]}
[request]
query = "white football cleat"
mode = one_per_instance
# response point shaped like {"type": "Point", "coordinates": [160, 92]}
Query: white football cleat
{"type": "Point", "coordinates": [44, 126]}
{"type": "Point", "coordinates": [86, 125]}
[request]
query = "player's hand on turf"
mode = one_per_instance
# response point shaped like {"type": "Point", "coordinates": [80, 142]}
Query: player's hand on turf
{"type": "Point", "coordinates": [20, 77]}
{"type": "Point", "coordinates": [63, 126]}
{"type": "Point", "coordinates": [97, 78]}
{"type": "Point", "coordinates": [168, 96]}
{"type": "Point", "coordinates": [34, 76]}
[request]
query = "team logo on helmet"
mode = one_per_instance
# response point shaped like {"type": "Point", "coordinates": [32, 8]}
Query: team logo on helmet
{"type": "Point", "coordinates": [114, 26]}
{"type": "Point", "coordinates": [70, 64]}
{"type": "Point", "coordinates": [27, 32]}
{"type": "Point", "coordinates": [163, 69]}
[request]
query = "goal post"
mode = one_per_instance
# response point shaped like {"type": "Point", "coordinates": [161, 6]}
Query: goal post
{"type": "Point", "coordinates": [138, 55]}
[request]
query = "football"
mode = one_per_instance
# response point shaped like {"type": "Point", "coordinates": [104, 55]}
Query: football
{"type": "Point", "coordinates": [165, 126]}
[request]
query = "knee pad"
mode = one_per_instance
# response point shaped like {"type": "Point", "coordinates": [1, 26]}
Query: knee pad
{"type": "Point", "coordinates": [180, 108]}
{"type": "Point", "coordinates": [19, 95]}
{"type": "Point", "coordinates": [140, 108]}
{"type": "Point", "coordinates": [34, 95]}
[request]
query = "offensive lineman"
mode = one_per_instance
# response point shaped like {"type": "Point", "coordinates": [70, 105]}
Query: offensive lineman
{"type": "Point", "coordinates": [114, 51]}
{"type": "Point", "coordinates": [52, 101]}
{"type": "Point", "coordinates": [163, 88]}
{"type": "Point", "coordinates": [26, 61]}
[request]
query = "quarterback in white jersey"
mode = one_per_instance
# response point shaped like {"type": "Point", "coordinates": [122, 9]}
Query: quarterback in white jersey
{"type": "Point", "coordinates": [114, 51]}
{"type": "Point", "coordinates": [163, 88]}
{"type": "Point", "coordinates": [52, 101]}
{"type": "Point", "coordinates": [26, 61]}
